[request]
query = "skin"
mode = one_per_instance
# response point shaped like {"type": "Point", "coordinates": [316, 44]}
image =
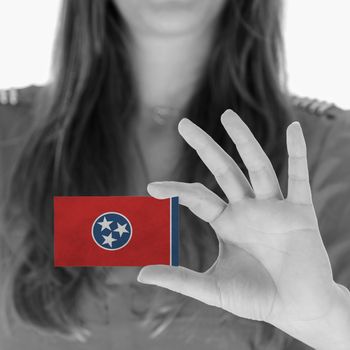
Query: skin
{"type": "Point", "coordinates": [169, 18]}
{"type": "Point", "coordinates": [272, 265]}
{"type": "Point", "coordinates": [170, 42]}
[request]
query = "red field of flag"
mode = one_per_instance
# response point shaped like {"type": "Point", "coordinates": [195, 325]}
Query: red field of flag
{"type": "Point", "coordinates": [115, 231]}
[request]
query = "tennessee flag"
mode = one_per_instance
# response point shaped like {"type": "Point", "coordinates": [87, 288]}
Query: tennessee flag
{"type": "Point", "coordinates": [116, 231]}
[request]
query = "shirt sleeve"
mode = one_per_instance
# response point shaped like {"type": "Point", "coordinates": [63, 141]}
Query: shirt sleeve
{"type": "Point", "coordinates": [331, 197]}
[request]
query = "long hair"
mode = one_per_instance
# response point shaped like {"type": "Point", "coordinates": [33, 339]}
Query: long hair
{"type": "Point", "coordinates": [90, 102]}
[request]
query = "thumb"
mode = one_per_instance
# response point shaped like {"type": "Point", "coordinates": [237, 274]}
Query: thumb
{"type": "Point", "coordinates": [182, 280]}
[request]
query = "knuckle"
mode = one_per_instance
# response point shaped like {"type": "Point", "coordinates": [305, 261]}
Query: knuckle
{"type": "Point", "coordinates": [258, 167]}
{"type": "Point", "coordinates": [184, 277]}
{"type": "Point", "coordinates": [216, 217]}
{"type": "Point", "coordinates": [223, 172]}
{"type": "Point", "coordinates": [198, 189]}
{"type": "Point", "coordinates": [204, 146]}
{"type": "Point", "coordinates": [298, 178]}
{"type": "Point", "coordinates": [198, 186]}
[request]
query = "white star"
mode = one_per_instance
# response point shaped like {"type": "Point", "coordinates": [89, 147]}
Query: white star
{"type": "Point", "coordinates": [105, 224]}
{"type": "Point", "coordinates": [109, 240]}
{"type": "Point", "coordinates": [121, 229]}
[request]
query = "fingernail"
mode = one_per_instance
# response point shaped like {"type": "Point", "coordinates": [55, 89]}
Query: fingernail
{"type": "Point", "coordinates": [296, 125]}
{"type": "Point", "coordinates": [153, 186]}
{"type": "Point", "coordinates": [228, 114]}
{"type": "Point", "coordinates": [155, 183]}
{"type": "Point", "coordinates": [230, 111]}
{"type": "Point", "coordinates": [183, 124]}
{"type": "Point", "coordinates": [141, 279]}
{"type": "Point", "coordinates": [184, 120]}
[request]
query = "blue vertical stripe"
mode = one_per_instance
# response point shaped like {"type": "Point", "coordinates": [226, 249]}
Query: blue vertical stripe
{"type": "Point", "coordinates": [175, 231]}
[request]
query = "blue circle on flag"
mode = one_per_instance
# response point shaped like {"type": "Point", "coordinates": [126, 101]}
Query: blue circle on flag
{"type": "Point", "coordinates": [111, 231]}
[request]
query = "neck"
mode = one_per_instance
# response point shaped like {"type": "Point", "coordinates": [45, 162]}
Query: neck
{"type": "Point", "coordinates": [168, 68]}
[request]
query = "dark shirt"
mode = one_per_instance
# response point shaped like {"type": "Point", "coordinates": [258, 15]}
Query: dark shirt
{"type": "Point", "coordinates": [199, 326]}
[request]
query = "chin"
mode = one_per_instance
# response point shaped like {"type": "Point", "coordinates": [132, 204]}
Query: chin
{"type": "Point", "coordinates": [169, 17]}
{"type": "Point", "coordinates": [172, 25]}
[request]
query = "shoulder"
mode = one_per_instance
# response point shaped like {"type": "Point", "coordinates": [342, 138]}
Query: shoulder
{"type": "Point", "coordinates": [17, 112]}
{"type": "Point", "coordinates": [325, 125]}
{"type": "Point", "coordinates": [320, 108]}
{"type": "Point", "coordinates": [321, 120]}
{"type": "Point", "coordinates": [318, 114]}
{"type": "Point", "coordinates": [19, 97]}
{"type": "Point", "coordinates": [327, 135]}
{"type": "Point", "coordinates": [17, 108]}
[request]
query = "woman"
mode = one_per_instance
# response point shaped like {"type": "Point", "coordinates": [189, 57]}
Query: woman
{"type": "Point", "coordinates": [126, 72]}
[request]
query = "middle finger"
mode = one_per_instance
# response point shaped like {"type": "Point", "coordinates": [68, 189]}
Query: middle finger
{"type": "Point", "coordinates": [227, 173]}
{"type": "Point", "coordinates": [261, 172]}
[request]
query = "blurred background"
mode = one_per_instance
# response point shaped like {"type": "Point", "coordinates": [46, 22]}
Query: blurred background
{"type": "Point", "coordinates": [317, 43]}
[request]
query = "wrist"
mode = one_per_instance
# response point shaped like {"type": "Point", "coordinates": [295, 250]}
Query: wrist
{"type": "Point", "coordinates": [337, 330]}
{"type": "Point", "coordinates": [330, 332]}
{"type": "Point", "coordinates": [333, 331]}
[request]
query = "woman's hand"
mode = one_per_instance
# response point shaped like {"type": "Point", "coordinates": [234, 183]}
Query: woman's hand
{"type": "Point", "coordinates": [272, 265]}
